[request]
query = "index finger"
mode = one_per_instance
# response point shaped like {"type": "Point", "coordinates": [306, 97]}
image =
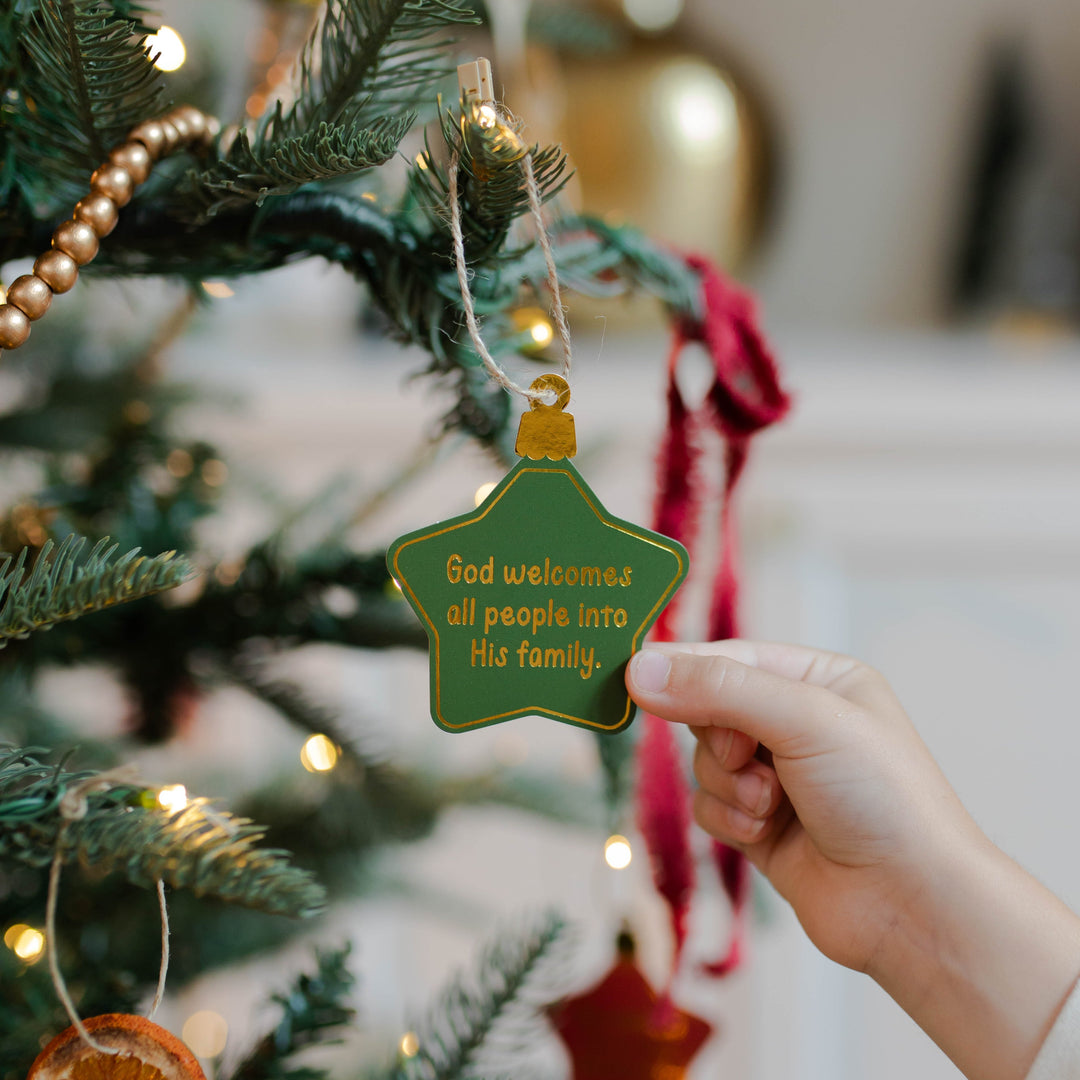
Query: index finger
{"type": "Point", "coordinates": [843, 675]}
{"type": "Point", "coordinates": [710, 689]}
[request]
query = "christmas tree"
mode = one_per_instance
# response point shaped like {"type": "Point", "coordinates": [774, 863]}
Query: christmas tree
{"type": "Point", "coordinates": [115, 491]}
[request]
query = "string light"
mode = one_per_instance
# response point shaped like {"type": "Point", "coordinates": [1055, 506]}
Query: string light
{"type": "Point", "coordinates": [409, 1044]}
{"type": "Point", "coordinates": [214, 473]}
{"type": "Point", "coordinates": [218, 290]}
{"type": "Point", "coordinates": [173, 798]}
{"type": "Point", "coordinates": [319, 754]}
{"type": "Point", "coordinates": [617, 852]}
{"type": "Point", "coordinates": [169, 47]}
{"type": "Point", "coordinates": [652, 14]}
{"type": "Point", "coordinates": [179, 463]}
{"type": "Point", "coordinates": [26, 942]}
{"type": "Point", "coordinates": [206, 1033]}
{"type": "Point", "coordinates": [483, 491]}
{"type": "Point", "coordinates": [486, 116]}
{"type": "Point", "coordinates": [422, 161]}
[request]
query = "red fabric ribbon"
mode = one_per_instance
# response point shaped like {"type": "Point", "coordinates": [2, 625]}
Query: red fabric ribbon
{"type": "Point", "coordinates": [744, 397]}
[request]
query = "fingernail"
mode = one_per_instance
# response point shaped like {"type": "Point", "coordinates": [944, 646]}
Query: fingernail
{"type": "Point", "coordinates": [753, 792]}
{"type": "Point", "coordinates": [720, 742]}
{"type": "Point", "coordinates": [649, 671]}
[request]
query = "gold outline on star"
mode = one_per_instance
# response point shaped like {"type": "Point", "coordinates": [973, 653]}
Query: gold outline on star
{"type": "Point", "coordinates": [488, 505]}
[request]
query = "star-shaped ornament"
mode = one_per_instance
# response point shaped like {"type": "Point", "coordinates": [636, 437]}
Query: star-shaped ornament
{"type": "Point", "coordinates": [621, 1029]}
{"type": "Point", "coordinates": [535, 602]}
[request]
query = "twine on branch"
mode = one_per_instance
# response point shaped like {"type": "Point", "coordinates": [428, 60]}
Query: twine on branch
{"type": "Point", "coordinates": [73, 807]}
{"type": "Point", "coordinates": [532, 189]}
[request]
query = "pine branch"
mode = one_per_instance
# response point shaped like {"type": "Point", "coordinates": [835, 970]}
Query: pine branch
{"type": "Point", "coordinates": [312, 1011]}
{"type": "Point", "coordinates": [207, 851]}
{"type": "Point", "coordinates": [493, 192]}
{"type": "Point", "coordinates": [87, 80]}
{"type": "Point", "coordinates": [369, 59]}
{"type": "Point", "coordinates": [252, 171]}
{"type": "Point", "coordinates": [365, 69]}
{"type": "Point", "coordinates": [64, 585]}
{"type": "Point", "coordinates": [468, 1028]}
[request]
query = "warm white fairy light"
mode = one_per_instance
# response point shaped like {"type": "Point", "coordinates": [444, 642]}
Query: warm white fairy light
{"type": "Point", "coordinates": [218, 290]}
{"type": "Point", "coordinates": [483, 491]}
{"type": "Point", "coordinates": [173, 798]}
{"type": "Point", "coordinates": [652, 14]}
{"type": "Point", "coordinates": [26, 942]}
{"type": "Point", "coordinates": [542, 332]}
{"type": "Point", "coordinates": [486, 116]}
{"type": "Point", "coordinates": [617, 852]}
{"type": "Point", "coordinates": [206, 1033]}
{"type": "Point", "coordinates": [319, 754]}
{"type": "Point", "coordinates": [409, 1044]}
{"type": "Point", "coordinates": [167, 46]}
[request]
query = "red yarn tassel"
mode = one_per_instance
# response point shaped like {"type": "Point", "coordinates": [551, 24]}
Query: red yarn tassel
{"type": "Point", "coordinates": [744, 397]}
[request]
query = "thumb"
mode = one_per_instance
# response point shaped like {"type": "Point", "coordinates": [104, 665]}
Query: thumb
{"type": "Point", "coordinates": [789, 717]}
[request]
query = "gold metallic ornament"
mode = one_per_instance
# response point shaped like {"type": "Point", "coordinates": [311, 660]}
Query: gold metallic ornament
{"type": "Point", "coordinates": [674, 142]}
{"type": "Point", "coordinates": [58, 270]}
{"type": "Point", "coordinates": [14, 326]}
{"type": "Point", "coordinates": [31, 295]}
{"type": "Point", "coordinates": [77, 239]}
{"type": "Point", "coordinates": [98, 211]}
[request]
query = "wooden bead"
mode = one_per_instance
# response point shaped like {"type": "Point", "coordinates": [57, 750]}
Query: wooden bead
{"type": "Point", "coordinates": [30, 295]}
{"type": "Point", "coordinates": [183, 128]}
{"type": "Point", "coordinates": [113, 181]}
{"type": "Point", "coordinates": [57, 270]}
{"type": "Point", "coordinates": [172, 137]}
{"type": "Point", "coordinates": [196, 122]}
{"type": "Point", "coordinates": [14, 327]}
{"type": "Point", "coordinates": [152, 136]}
{"type": "Point", "coordinates": [98, 211]}
{"type": "Point", "coordinates": [134, 159]}
{"type": "Point", "coordinates": [77, 239]}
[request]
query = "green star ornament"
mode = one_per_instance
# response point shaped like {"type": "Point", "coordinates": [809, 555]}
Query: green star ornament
{"type": "Point", "coordinates": [535, 602]}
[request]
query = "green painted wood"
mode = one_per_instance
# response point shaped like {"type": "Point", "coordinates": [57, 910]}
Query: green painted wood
{"type": "Point", "coordinates": [535, 601]}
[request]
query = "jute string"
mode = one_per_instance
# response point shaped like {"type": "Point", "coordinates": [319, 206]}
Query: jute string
{"type": "Point", "coordinates": [558, 312]}
{"type": "Point", "coordinates": [73, 807]}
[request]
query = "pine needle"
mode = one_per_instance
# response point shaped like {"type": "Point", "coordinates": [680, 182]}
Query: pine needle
{"type": "Point", "coordinates": [312, 1012]}
{"type": "Point", "coordinates": [480, 1027]}
{"type": "Point", "coordinates": [87, 79]}
{"type": "Point", "coordinates": [64, 584]}
{"type": "Point", "coordinates": [200, 848]}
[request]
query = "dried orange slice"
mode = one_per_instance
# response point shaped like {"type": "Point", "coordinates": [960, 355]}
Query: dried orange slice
{"type": "Point", "coordinates": [146, 1052]}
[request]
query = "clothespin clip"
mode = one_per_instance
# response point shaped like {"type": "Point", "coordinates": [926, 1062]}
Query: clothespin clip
{"type": "Point", "coordinates": [474, 80]}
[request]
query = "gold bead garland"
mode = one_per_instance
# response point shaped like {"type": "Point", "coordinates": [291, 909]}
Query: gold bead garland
{"type": "Point", "coordinates": [75, 242]}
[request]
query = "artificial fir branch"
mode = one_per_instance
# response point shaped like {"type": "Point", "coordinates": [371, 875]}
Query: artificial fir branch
{"type": "Point", "coordinates": [64, 584]}
{"type": "Point", "coordinates": [470, 1019]}
{"type": "Point", "coordinates": [90, 79]}
{"type": "Point", "coordinates": [313, 1011]}
{"type": "Point", "coordinates": [202, 849]}
{"type": "Point", "coordinates": [365, 68]}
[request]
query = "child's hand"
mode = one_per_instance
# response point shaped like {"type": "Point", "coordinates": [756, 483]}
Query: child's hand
{"type": "Point", "coordinates": [807, 762]}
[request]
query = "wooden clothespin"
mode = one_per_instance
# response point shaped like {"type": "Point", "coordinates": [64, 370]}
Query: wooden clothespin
{"type": "Point", "coordinates": [474, 80]}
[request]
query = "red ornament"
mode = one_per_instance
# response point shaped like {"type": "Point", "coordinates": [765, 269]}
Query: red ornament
{"type": "Point", "coordinates": [621, 1029]}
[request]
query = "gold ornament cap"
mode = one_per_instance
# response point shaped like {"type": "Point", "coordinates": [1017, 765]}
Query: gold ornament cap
{"type": "Point", "coordinates": [546, 431]}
